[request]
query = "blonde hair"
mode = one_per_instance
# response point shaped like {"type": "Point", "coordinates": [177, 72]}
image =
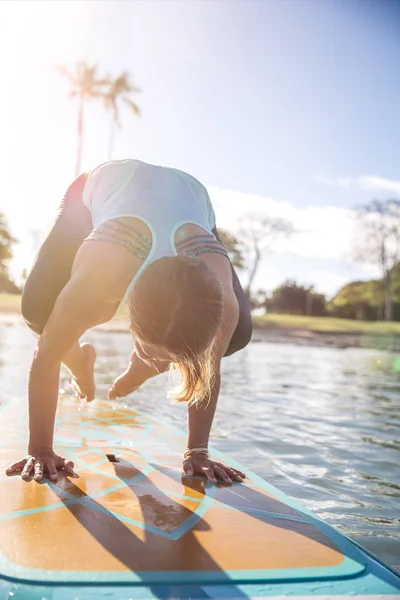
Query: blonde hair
{"type": "Point", "coordinates": [197, 376]}
{"type": "Point", "coordinates": [177, 304]}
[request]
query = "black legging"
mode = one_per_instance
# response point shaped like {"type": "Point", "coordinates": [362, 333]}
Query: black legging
{"type": "Point", "coordinates": [244, 329]}
{"type": "Point", "coordinates": [52, 268]}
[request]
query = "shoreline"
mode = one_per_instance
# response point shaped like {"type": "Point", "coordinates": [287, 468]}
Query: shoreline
{"type": "Point", "coordinates": [320, 339]}
{"type": "Point", "coordinates": [270, 334]}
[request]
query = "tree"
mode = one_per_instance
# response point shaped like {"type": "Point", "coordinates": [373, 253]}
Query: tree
{"type": "Point", "coordinates": [119, 90]}
{"type": "Point", "coordinates": [358, 300]}
{"type": "Point", "coordinates": [291, 298]}
{"type": "Point", "coordinates": [258, 232]}
{"type": "Point", "coordinates": [6, 242]}
{"type": "Point", "coordinates": [233, 248]}
{"type": "Point", "coordinates": [84, 85]}
{"type": "Point", "coordinates": [365, 299]}
{"type": "Point", "coordinates": [378, 241]}
{"type": "Point", "coordinates": [259, 300]}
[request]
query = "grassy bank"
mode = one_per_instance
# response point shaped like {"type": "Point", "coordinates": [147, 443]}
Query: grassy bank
{"type": "Point", "coordinates": [10, 304]}
{"type": "Point", "coordinates": [325, 325]}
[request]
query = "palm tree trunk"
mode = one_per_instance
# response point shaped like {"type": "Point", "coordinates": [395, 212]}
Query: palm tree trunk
{"type": "Point", "coordinates": [111, 138]}
{"type": "Point", "coordinates": [80, 137]}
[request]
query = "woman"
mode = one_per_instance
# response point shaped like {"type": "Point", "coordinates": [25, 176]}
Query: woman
{"type": "Point", "coordinates": [130, 230]}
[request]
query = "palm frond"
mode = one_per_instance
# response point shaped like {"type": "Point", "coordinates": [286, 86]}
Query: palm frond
{"type": "Point", "coordinates": [134, 107]}
{"type": "Point", "coordinates": [64, 72]}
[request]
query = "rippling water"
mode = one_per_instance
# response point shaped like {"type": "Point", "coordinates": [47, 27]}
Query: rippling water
{"type": "Point", "coordinates": [321, 424]}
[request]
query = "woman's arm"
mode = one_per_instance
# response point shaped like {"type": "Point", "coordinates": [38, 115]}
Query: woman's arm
{"type": "Point", "coordinates": [75, 311]}
{"type": "Point", "coordinates": [88, 299]}
{"type": "Point", "coordinates": [201, 415]}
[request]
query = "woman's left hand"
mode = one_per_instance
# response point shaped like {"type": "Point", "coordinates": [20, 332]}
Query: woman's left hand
{"type": "Point", "coordinates": [199, 464]}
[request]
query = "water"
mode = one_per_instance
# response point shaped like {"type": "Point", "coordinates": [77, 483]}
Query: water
{"type": "Point", "coordinates": [321, 424]}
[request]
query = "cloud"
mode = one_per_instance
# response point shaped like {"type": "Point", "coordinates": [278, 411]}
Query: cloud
{"type": "Point", "coordinates": [321, 231]}
{"type": "Point", "coordinates": [343, 182]}
{"type": "Point", "coordinates": [370, 183]}
{"type": "Point", "coordinates": [319, 252]}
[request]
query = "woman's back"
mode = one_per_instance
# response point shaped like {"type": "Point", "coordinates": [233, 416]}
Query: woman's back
{"type": "Point", "coordinates": [146, 207]}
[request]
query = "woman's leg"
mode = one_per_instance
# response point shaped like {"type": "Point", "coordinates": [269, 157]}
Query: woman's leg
{"type": "Point", "coordinates": [52, 268]}
{"type": "Point", "coordinates": [51, 272]}
{"type": "Point", "coordinates": [244, 329]}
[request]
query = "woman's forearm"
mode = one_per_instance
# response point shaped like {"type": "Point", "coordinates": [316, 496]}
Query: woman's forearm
{"type": "Point", "coordinates": [43, 396]}
{"type": "Point", "coordinates": [200, 417]}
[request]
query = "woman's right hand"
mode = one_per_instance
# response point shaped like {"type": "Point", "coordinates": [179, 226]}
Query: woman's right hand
{"type": "Point", "coordinates": [41, 462]}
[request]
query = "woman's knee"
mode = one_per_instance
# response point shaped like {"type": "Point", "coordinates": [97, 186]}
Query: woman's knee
{"type": "Point", "coordinates": [32, 312]}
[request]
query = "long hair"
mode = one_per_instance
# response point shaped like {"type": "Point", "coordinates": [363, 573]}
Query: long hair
{"type": "Point", "coordinates": [177, 304]}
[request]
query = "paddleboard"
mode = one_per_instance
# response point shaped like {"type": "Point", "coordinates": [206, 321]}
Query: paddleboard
{"type": "Point", "coordinates": [131, 526]}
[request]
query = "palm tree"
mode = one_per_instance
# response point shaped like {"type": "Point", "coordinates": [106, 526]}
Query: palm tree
{"type": "Point", "coordinates": [119, 89]}
{"type": "Point", "coordinates": [84, 85]}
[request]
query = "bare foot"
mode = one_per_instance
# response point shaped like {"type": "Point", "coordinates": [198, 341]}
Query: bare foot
{"type": "Point", "coordinates": [135, 375]}
{"type": "Point", "coordinates": [123, 385]}
{"type": "Point", "coordinates": [82, 372]}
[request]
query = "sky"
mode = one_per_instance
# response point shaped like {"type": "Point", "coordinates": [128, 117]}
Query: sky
{"type": "Point", "coordinates": [287, 108]}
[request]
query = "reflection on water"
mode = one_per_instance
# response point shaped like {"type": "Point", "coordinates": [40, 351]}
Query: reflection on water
{"type": "Point", "coordinates": [321, 424]}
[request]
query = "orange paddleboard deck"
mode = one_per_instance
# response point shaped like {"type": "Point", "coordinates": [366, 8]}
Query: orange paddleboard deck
{"type": "Point", "coordinates": [131, 517]}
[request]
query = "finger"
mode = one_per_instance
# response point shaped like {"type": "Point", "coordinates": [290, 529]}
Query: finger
{"type": "Point", "coordinates": [52, 471]}
{"type": "Point", "coordinates": [209, 473]}
{"type": "Point", "coordinates": [188, 468]}
{"type": "Point", "coordinates": [242, 475]}
{"type": "Point", "coordinates": [38, 471]}
{"type": "Point", "coordinates": [221, 474]}
{"type": "Point", "coordinates": [238, 472]}
{"type": "Point", "coordinates": [233, 473]}
{"type": "Point", "coordinates": [16, 467]}
{"type": "Point", "coordinates": [26, 471]}
{"type": "Point", "coordinates": [68, 466]}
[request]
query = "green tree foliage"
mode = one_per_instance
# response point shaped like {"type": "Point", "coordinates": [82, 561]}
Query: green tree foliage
{"type": "Point", "coordinates": [6, 243]}
{"type": "Point", "coordinates": [233, 248]}
{"type": "Point", "coordinates": [294, 299]}
{"type": "Point", "coordinates": [378, 242]}
{"type": "Point", "coordinates": [365, 300]}
{"type": "Point", "coordinates": [396, 283]}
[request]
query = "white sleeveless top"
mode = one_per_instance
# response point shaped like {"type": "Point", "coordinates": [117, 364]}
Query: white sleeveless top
{"type": "Point", "coordinates": [163, 198]}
